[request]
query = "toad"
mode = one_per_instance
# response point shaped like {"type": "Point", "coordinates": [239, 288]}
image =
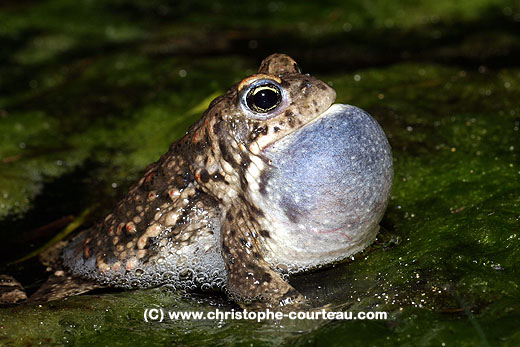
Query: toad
{"type": "Point", "coordinates": [273, 180]}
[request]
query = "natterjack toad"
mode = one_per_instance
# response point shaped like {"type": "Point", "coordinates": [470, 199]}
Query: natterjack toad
{"type": "Point", "coordinates": [273, 179]}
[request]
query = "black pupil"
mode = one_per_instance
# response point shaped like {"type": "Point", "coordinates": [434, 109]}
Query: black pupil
{"type": "Point", "coordinates": [263, 98]}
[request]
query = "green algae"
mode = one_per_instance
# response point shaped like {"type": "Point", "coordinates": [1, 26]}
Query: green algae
{"type": "Point", "coordinates": [93, 92]}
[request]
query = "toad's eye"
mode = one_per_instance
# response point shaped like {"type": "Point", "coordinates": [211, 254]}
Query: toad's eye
{"type": "Point", "coordinates": [264, 98]}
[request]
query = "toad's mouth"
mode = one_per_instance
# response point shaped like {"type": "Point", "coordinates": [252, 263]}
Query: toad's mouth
{"type": "Point", "coordinates": [333, 109]}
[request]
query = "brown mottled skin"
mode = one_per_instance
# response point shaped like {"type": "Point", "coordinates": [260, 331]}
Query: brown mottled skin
{"type": "Point", "coordinates": [203, 192]}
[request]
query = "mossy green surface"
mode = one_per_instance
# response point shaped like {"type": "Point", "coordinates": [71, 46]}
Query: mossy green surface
{"type": "Point", "coordinates": [93, 91]}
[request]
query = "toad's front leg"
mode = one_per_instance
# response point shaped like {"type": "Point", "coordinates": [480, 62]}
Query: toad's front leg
{"type": "Point", "coordinates": [250, 276]}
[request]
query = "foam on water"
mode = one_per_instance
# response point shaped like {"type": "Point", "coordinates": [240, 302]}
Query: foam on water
{"type": "Point", "coordinates": [195, 265]}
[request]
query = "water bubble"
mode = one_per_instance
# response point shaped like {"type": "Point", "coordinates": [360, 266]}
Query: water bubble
{"type": "Point", "coordinates": [200, 278]}
{"type": "Point", "coordinates": [185, 275]}
{"type": "Point", "coordinates": [167, 276]}
{"type": "Point", "coordinates": [217, 283]}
